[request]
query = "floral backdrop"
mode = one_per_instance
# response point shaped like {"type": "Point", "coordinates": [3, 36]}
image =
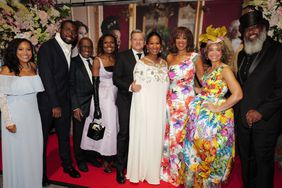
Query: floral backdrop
{"type": "Point", "coordinates": [272, 11]}
{"type": "Point", "coordinates": [37, 20]}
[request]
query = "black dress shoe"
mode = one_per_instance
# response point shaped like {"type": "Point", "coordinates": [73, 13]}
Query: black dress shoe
{"type": "Point", "coordinates": [72, 172]}
{"type": "Point", "coordinates": [120, 177]}
{"type": "Point", "coordinates": [107, 167]}
{"type": "Point", "coordinates": [95, 163]}
{"type": "Point", "coordinates": [45, 182]}
{"type": "Point", "coordinates": [82, 167]}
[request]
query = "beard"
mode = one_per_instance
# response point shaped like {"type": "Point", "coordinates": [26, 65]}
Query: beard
{"type": "Point", "coordinates": [255, 46]}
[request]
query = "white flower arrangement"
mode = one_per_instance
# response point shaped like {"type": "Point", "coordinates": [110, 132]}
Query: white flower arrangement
{"type": "Point", "coordinates": [37, 22]}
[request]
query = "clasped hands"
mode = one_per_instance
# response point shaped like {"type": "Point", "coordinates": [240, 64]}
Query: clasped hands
{"type": "Point", "coordinates": [56, 112]}
{"type": "Point", "coordinates": [253, 116]}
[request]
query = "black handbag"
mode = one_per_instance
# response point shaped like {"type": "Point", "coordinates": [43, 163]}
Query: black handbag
{"type": "Point", "coordinates": [96, 130]}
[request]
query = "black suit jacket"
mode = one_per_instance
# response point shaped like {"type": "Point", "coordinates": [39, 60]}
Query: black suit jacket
{"type": "Point", "coordinates": [81, 89]}
{"type": "Point", "coordinates": [262, 90]}
{"type": "Point", "coordinates": [54, 73]}
{"type": "Point", "coordinates": [123, 74]}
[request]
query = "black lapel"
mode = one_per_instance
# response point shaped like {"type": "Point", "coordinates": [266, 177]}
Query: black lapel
{"type": "Point", "coordinates": [83, 69]}
{"type": "Point", "coordinates": [259, 57]}
{"type": "Point", "coordinates": [132, 57]}
{"type": "Point", "coordinates": [60, 52]}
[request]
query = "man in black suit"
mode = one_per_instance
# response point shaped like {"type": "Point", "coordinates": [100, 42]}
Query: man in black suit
{"type": "Point", "coordinates": [258, 114]}
{"type": "Point", "coordinates": [54, 103]}
{"type": "Point", "coordinates": [123, 79]}
{"type": "Point", "coordinates": [81, 91]}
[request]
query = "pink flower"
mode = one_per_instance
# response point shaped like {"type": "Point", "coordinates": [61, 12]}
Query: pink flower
{"type": "Point", "coordinates": [34, 40]}
{"type": "Point", "coordinates": [271, 3]}
{"type": "Point", "coordinates": [171, 74]}
{"type": "Point", "coordinates": [43, 17]}
{"type": "Point", "coordinates": [279, 11]}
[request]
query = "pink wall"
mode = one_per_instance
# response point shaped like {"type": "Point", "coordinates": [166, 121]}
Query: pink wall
{"type": "Point", "coordinates": [221, 12]}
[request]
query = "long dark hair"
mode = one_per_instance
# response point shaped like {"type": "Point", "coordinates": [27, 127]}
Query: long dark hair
{"type": "Point", "coordinates": [100, 49]}
{"type": "Point", "coordinates": [150, 35]}
{"type": "Point", "coordinates": [10, 55]}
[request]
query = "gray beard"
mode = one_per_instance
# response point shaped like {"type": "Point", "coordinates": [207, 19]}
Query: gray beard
{"type": "Point", "coordinates": [252, 47]}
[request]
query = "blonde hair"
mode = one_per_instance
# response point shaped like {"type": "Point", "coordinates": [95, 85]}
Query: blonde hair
{"type": "Point", "coordinates": [136, 31]}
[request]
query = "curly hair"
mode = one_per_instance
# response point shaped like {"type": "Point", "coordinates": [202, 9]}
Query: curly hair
{"type": "Point", "coordinates": [100, 48]}
{"type": "Point", "coordinates": [10, 55]}
{"type": "Point", "coordinates": [224, 50]}
{"type": "Point", "coordinates": [177, 32]}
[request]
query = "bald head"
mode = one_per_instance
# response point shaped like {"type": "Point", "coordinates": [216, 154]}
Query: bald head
{"type": "Point", "coordinates": [85, 47]}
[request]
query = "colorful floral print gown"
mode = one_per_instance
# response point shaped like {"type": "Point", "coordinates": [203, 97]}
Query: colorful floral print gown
{"type": "Point", "coordinates": [180, 93]}
{"type": "Point", "coordinates": [209, 144]}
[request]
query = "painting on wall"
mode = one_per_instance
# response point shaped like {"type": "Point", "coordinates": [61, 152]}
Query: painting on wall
{"type": "Point", "coordinates": [156, 17]}
{"type": "Point", "coordinates": [186, 17]}
{"type": "Point", "coordinates": [160, 17]}
{"type": "Point", "coordinates": [164, 17]}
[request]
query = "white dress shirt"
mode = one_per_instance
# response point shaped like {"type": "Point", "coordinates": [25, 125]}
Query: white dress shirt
{"type": "Point", "coordinates": [87, 66]}
{"type": "Point", "coordinates": [136, 56]}
{"type": "Point", "coordinates": [65, 47]}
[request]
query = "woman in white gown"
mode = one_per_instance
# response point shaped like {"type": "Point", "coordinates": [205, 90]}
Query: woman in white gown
{"type": "Point", "coordinates": [22, 141]}
{"type": "Point", "coordinates": [148, 115]}
{"type": "Point", "coordinates": [105, 93]}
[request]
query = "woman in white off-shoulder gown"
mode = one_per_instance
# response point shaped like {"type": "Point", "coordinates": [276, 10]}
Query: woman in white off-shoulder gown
{"type": "Point", "coordinates": [22, 141]}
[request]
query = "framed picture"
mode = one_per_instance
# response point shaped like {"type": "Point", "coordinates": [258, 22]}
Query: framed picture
{"type": "Point", "coordinates": [187, 17]}
{"type": "Point", "coordinates": [164, 17]}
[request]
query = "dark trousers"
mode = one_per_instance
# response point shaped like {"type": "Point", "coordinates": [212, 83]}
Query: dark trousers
{"type": "Point", "coordinates": [256, 151]}
{"type": "Point", "coordinates": [62, 127]}
{"type": "Point", "coordinates": [123, 105]}
{"type": "Point", "coordinates": [80, 154]}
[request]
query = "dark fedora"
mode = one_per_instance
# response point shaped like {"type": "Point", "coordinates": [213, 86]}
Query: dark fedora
{"type": "Point", "coordinates": [251, 18]}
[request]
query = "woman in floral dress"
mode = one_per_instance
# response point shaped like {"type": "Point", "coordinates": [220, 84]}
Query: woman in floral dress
{"type": "Point", "coordinates": [183, 64]}
{"type": "Point", "coordinates": [209, 144]}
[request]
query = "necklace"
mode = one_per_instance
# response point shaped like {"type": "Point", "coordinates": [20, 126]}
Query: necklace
{"type": "Point", "coordinates": [155, 64]}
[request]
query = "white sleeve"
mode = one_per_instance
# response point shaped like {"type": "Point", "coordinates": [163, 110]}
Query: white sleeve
{"type": "Point", "coordinates": [139, 73]}
{"type": "Point", "coordinates": [5, 111]}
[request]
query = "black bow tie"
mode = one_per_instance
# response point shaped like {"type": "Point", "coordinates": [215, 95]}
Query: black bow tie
{"type": "Point", "coordinates": [139, 55]}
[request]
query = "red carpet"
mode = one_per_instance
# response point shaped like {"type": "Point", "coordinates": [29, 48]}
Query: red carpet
{"type": "Point", "coordinates": [96, 178]}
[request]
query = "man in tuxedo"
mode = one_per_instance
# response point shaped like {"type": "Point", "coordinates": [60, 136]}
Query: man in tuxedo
{"type": "Point", "coordinates": [81, 91]}
{"type": "Point", "coordinates": [258, 114]}
{"type": "Point", "coordinates": [54, 103]}
{"type": "Point", "coordinates": [123, 79]}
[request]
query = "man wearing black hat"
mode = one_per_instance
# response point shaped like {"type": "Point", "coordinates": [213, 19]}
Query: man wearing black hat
{"type": "Point", "coordinates": [258, 114]}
